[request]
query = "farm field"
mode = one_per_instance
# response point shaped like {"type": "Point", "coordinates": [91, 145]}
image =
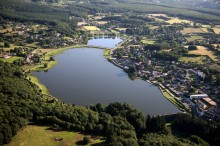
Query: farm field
{"type": "Point", "coordinates": [192, 30]}
{"type": "Point", "coordinates": [198, 60]}
{"type": "Point", "coordinates": [194, 38]}
{"type": "Point", "coordinates": [153, 27]}
{"type": "Point", "coordinates": [5, 30]}
{"type": "Point", "coordinates": [204, 51]}
{"type": "Point", "coordinates": [216, 30]}
{"type": "Point", "coordinates": [102, 22]}
{"type": "Point", "coordinates": [177, 20]}
{"type": "Point", "coordinates": [148, 41]}
{"type": "Point", "coordinates": [81, 23]}
{"type": "Point", "coordinates": [121, 29]}
{"type": "Point", "coordinates": [91, 28]}
{"type": "Point", "coordinates": [158, 15]}
{"type": "Point", "coordinates": [41, 136]}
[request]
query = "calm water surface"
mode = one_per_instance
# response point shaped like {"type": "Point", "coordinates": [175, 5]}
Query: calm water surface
{"type": "Point", "coordinates": [83, 77]}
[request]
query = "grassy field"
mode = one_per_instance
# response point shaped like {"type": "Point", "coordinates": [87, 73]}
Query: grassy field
{"type": "Point", "coordinates": [192, 30]}
{"type": "Point", "coordinates": [11, 59]}
{"type": "Point", "coordinates": [215, 67]}
{"type": "Point", "coordinates": [148, 41]}
{"type": "Point", "coordinates": [173, 100]}
{"type": "Point", "coordinates": [204, 51]}
{"type": "Point", "coordinates": [177, 20]}
{"type": "Point", "coordinates": [41, 136]}
{"type": "Point", "coordinates": [91, 28]}
{"type": "Point", "coordinates": [107, 53]}
{"type": "Point", "coordinates": [198, 60]}
{"type": "Point", "coordinates": [194, 38]}
{"type": "Point", "coordinates": [216, 30]}
{"type": "Point", "coordinates": [12, 46]}
{"type": "Point", "coordinates": [36, 81]}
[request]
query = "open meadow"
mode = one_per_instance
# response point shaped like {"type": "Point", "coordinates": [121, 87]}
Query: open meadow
{"type": "Point", "coordinates": [193, 30]}
{"type": "Point", "coordinates": [42, 136]}
{"type": "Point", "coordinates": [201, 50]}
{"type": "Point", "coordinates": [178, 20]}
{"type": "Point", "coordinates": [91, 28]}
{"type": "Point", "coordinates": [198, 60]}
{"type": "Point", "coordinates": [194, 38]}
{"type": "Point", "coordinates": [216, 30]}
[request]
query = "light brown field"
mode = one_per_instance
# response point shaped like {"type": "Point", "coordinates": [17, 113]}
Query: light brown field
{"type": "Point", "coordinates": [204, 51]}
{"type": "Point", "coordinates": [192, 30]}
{"type": "Point", "coordinates": [6, 30]}
{"type": "Point", "coordinates": [98, 17]}
{"type": "Point", "coordinates": [121, 29]}
{"type": "Point", "coordinates": [81, 23]}
{"type": "Point", "coordinates": [158, 15]}
{"type": "Point", "coordinates": [194, 38]}
{"type": "Point", "coordinates": [102, 22]}
{"type": "Point", "coordinates": [154, 27]}
{"type": "Point", "coordinates": [177, 20]}
{"type": "Point", "coordinates": [216, 30]}
{"type": "Point", "coordinates": [91, 28]}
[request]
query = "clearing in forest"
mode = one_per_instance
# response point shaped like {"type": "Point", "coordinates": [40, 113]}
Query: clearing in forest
{"type": "Point", "coordinates": [43, 136]}
{"type": "Point", "coordinates": [193, 30]}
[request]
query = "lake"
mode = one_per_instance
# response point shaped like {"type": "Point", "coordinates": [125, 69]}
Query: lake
{"type": "Point", "coordinates": [83, 76]}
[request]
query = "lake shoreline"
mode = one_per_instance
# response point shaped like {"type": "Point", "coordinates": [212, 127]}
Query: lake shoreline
{"type": "Point", "coordinates": [61, 50]}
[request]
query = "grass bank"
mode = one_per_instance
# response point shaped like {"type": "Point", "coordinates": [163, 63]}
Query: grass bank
{"type": "Point", "coordinates": [173, 100]}
{"type": "Point", "coordinates": [33, 135]}
{"type": "Point", "coordinates": [36, 81]}
{"type": "Point", "coordinates": [107, 53]}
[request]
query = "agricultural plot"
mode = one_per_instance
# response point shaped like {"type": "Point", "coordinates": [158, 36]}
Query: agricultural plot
{"type": "Point", "coordinates": [158, 15]}
{"type": "Point", "coordinates": [121, 29]}
{"type": "Point", "coordinates": [6, 30]}
{"type": "Point", "coordinates": [194, 38]}
{"type": "Point", "coordinates": [177, 20]}
{"type": "Point", "coordinates": [81, 23]}
{"type": "Point", "coordinates": [204, 51]}
{"type": "Point", "coordinates": [198, 60]}
{"type": "Point", "coordinates": [216, 30]}
{"type": "Point", "coordinates": [153, 27]}
{"type": "Point", "coordinates": [91, 28]}
{"type": "Point", "coordinates": [193, 30]}
{"type": "Point", "coordinates": [102, 22]}
{"type": "Point", "coordinates": [42, 136]}
{"type": "Point", "coordinates": [148, 41]}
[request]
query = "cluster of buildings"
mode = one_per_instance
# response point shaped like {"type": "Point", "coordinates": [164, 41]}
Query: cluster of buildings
{"type": "Point", "coordinates": [180, 79]}
{"type": "Point", "coordinates": [205, 106]}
